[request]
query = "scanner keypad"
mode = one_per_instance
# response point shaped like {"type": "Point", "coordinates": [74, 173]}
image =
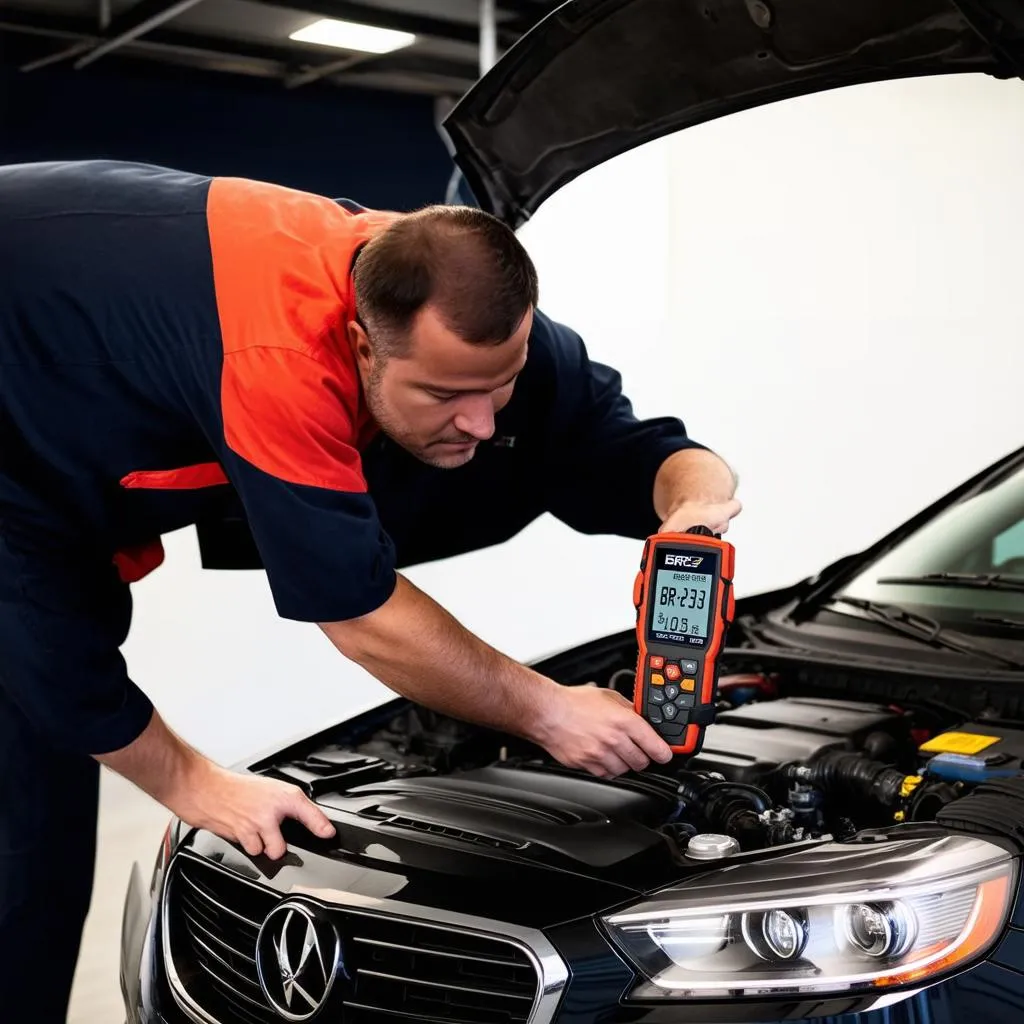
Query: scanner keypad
{"type": "Point", "coordinates": [671, 694]}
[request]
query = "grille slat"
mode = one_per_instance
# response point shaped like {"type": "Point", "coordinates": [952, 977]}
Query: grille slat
{"type": "Point", "coordinates": [239, 1006]}
{"type": "Point", "coordinates": [361, 1013]}
{"type": "Point", "coordinates": [399, 969]}
{"type": "Point", "coordinates": [241, 938]}
{"type": "Point", "coordinates": [433, 952]}
{"type": "Point", "coordinates": [254, 925]}
{"type": "Point", "coordinates": [205, 934]}
{"type": "Point", "coordinates": [439, 984]}
{"type": "Point", "coordinates": [228, 987]}
{"type": "Point", "coordinates": [250, 985]}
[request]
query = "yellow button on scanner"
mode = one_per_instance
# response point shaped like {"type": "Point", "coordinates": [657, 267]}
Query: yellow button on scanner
{"type": "Point", "coordinates": [688, 685]}
{"type": "Point", "coordinates": [657, 679]}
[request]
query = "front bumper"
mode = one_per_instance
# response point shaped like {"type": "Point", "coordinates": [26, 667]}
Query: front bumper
{"type": "Point", "coordinates": [590, 986]}
{"type": "Point", "coordinates": [147, 999]}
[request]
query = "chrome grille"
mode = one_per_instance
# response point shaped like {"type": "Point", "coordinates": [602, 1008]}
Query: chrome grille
{"type": "Point", "coordinates": [400, 970]}
{"type": "Point", "coordinates": [427, 972]}
{"type": "Point", "coordinates": [213, 921]}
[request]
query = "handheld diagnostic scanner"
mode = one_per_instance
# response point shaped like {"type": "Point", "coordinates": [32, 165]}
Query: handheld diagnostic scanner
{"type": "Point", "coordinates": [684, 603]}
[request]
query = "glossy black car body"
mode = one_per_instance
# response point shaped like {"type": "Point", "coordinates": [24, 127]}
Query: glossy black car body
{"type": "Point", "coordinates": [470, 877]}
{"type": "Point", "coordinates": [458, 847]}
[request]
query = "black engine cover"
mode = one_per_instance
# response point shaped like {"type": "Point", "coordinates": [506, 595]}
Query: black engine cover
{"type": "Point", "coordinates": [749, 742]}
{"type": "Point", "coordinates": [530, 814]}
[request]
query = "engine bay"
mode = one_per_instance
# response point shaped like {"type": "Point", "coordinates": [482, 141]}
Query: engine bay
{"type": "Point", "coordinates": [786, 761]}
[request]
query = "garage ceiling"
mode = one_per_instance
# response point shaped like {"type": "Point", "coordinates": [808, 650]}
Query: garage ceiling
{"type": "Point", "coordinates": [251, 37]}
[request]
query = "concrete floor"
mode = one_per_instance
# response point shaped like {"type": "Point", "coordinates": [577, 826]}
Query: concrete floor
{"type": "Point", "coordinates": [130, 827]}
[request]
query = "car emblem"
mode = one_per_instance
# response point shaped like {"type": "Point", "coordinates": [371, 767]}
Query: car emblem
{"type": "Point", "coordinates": [298, 957]}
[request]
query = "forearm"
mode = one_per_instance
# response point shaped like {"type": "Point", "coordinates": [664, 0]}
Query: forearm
{"type": "Point", "coordinates": [241, 808]}
{"type": "Point", "coordinates": [693, 476]}
{"type": "Point", "coordinates": [419, 650]}
{"type": "Point", "coordinates": [158, 762]}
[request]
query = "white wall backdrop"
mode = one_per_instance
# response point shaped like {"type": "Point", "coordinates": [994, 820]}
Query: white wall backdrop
{"type": "Point", "coordinates": [851, 261]}
{"type": "Point", "coordinates": [825, 290]}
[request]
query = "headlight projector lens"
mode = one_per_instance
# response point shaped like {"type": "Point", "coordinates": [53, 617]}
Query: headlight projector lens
{"type": "Point", "coordinates": [843, 918]}
{"type": "Point", "coordinates": [779, 935]}
{"type": "Point", "coordinates": [878, 930]}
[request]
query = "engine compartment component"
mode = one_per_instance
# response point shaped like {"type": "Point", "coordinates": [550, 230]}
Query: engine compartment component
{"type": "Point", "coordinates": [736, 809]}
{"type": "Point", "coordinates": [709, 846]}
{"type": "Point", "coordinates": [783, 763]}
{"type": "Point", "coordinates": [975, 752]}
{"type": "Point", "coordinates": [853, 776]}
{"type": "Point", "coordinates": [996, 808]}
{"type": "Point", "coordinates": [750, 742]}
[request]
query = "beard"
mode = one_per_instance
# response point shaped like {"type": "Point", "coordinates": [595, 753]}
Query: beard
{"type": "Point", "coordinates": [432, 452]}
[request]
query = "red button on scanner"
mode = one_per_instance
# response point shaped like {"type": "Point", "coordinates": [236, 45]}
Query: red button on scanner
{"type": "Point", "coordinates": [672, 673]}
{"type": "Point", "coordinates": [657, 662]}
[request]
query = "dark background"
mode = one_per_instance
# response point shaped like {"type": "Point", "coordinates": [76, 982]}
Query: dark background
{"type": "Point", "coordinates": [379, 148]}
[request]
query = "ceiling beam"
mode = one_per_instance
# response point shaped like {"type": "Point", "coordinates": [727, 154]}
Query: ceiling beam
{"type": "Point", "coordinates": [146, 16]}
{"type": "Point", "coordinates": [290, 59]}
{"type": "Point", "coordinates": [139, 19]}
{"type": "Point", "coordinates": [59, 56]}
{"type": "Point", "coordinates": [400, 21]}
{"type": "Point", "coordinates": [327, 70]}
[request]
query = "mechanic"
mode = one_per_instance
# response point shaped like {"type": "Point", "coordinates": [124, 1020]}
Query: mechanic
{"type": "Point", "coordinates": [364, 390]}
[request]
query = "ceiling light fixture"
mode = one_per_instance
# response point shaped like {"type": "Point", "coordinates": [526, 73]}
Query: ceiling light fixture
{"type": "Point", "coordinates": [349, 35]}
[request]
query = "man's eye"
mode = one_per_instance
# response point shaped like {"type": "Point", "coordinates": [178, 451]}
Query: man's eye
{"type": "Point", "coordinates": [440, 397]}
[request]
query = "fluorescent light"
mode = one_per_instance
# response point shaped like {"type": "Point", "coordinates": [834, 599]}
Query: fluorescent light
{"type": "Point", "coordinates": [348, 35]}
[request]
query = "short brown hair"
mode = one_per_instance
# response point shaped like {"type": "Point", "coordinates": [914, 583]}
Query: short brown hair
{"type": "Point", "coordinates": [466, 263]}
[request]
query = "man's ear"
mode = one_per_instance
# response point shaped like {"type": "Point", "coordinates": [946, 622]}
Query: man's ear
{"type": "Point", "coordinates": [361, 347]}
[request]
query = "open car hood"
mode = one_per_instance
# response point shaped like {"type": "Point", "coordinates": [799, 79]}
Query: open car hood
{"type": "Point", "coordinates": [599, 77]}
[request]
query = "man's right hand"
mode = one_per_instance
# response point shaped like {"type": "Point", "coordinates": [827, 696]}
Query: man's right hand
{"type": "Point", "coordinates": [245, 809]}
{"type": "Point", "coordinates": [418, 649]}
{"type": "Point", "coordinates": [597, 730]}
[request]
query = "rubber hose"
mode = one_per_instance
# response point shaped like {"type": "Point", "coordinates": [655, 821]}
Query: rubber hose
{"type": "Point", "coordinates": [855, 774]}
{"type": "Point", "coordinates": [764, 802]}
{"type": "Point", "coordinates": [695, 786]}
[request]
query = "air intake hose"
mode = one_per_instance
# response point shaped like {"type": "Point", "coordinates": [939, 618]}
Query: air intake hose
{"type": "Point", "coordinates": [839, 772]}
{"type": "Point", "coordinates": [733, 809]}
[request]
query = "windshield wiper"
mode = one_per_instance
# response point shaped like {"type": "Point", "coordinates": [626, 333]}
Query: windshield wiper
{"type": "Point", "coordinates": [1000, 620]}
{"type": "Point", "coordinates": [922, 628]}
{"type": "Point", "coordinates": [990, 581]}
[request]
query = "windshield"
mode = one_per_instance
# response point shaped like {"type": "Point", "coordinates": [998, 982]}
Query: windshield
{"type": "Point", "coordinates": [982, 536]}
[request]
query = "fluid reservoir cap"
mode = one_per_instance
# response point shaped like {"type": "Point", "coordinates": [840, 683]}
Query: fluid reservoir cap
{"type": "Point", "coordinates": [710, 846]}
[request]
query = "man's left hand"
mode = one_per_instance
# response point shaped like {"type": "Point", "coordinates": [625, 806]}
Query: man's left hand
{"type": "Point", "coordinates": [715, 516]}
{"type": "Point", "coordinates": [695, 487]}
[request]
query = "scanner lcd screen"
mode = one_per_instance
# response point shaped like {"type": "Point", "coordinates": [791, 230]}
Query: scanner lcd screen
{"type": "Point", "coordinates": [681, 605]}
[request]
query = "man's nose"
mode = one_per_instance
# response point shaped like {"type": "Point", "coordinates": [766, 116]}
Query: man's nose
{"type": "Point", "coordinates": [476, 417]}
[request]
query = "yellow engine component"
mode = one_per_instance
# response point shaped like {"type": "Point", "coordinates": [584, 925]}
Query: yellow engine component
{"type": "Point", "coordinates": [958, 743]}
{"type": "Point", "coordinates": [910, 783]}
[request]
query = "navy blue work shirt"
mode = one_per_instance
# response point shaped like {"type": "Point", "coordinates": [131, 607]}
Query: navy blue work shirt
{"type": "Point", "coordinates": [116, 362]}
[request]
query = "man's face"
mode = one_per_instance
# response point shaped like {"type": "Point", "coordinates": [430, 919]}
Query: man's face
{"type": "Point", "coordinates": [438, 400]}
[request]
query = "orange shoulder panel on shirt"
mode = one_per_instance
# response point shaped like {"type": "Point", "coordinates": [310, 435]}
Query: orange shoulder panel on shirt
{"type": "Point", "coordinates": [287, 414]}
{"type": "Point", "coordinates": [290, 393]}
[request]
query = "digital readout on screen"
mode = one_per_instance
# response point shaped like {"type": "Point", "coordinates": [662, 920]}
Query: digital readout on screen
{"type": "Point", "coordinates": [682, 601]}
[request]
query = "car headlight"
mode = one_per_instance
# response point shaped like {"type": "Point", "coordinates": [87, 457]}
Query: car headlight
{"type": "Point", "coordinates": [835, 917]}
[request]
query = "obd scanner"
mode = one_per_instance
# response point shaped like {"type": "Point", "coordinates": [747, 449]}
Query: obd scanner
{"type": "Point", "coordinates": [684, 604]}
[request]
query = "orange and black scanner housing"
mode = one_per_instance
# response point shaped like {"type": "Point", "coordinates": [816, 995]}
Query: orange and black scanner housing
{"type": "Point", "coordinates": [684, 603]}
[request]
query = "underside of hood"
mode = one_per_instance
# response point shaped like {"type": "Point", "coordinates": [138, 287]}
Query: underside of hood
{"type": "Point", "coordinates": [599, 77]}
